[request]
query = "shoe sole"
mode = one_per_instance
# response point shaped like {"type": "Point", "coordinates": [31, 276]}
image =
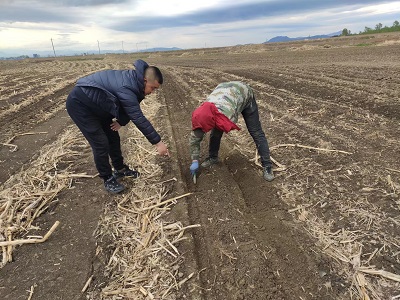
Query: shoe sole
{"type": "Point", "coordinates": [209, 165]}
{"type": "Point", "coordinates": [269, 179]}
{"type": "Point", "coordinates": [115, 192]}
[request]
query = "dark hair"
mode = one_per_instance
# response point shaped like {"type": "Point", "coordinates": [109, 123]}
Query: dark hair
{"type": "Point", "coordinates": [153, 73]}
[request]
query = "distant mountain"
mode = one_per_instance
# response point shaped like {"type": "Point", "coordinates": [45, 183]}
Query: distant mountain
{"type": "Point", "coordinates": [160, 49]}
{"type": "Point", "coordinates": [314, 37]}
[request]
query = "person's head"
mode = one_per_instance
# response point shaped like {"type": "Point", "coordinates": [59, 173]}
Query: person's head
{"type": "Point", "coordinates": [153, 79]}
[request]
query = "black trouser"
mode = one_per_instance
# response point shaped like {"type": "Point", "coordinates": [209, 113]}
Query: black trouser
{"type": "Point", "coordinates": [94, 123]}
{"type": "Point", "coordinates": [252, 119]}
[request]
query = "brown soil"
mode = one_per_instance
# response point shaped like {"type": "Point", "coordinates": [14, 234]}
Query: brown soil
{"type": "Point", "coordinates": [338, 94]}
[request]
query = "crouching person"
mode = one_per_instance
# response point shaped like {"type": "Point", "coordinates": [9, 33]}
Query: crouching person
{"type": "Point", "coordinates": [101, 103]}
{"type": "Point", "coordinates": [220, 114]}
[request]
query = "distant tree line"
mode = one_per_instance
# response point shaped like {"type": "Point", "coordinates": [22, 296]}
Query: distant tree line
{"type": "Point", "coordinates": [15, 58]}
{"type": "Point", "coordinates": [378, 29]}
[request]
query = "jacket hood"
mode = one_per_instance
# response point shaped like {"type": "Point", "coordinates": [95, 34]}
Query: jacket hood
{"type": "Point", "coordinates": [207, 117]}
{"type": "Point", "coordinates": [140, 67]}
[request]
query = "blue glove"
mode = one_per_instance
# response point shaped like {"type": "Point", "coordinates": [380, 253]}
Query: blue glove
{"type": "Point", "coordinates": [194, 167]}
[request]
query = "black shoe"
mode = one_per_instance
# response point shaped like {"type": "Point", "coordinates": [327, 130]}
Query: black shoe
{"type": "Point", "coordinates": [209, 161]}
{"type": "Point", "coordinates": [126, 172]}
{"type": "Point", "coordinates": [268, 174]}
{"type": "Point", "coordinates": [113, 186]}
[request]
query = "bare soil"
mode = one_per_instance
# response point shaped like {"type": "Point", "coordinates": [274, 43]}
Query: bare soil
{"type": "Point", "coordinates": [298, 237]}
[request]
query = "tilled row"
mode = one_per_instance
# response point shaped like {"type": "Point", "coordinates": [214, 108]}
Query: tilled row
{"type": "Point", "coordinates": [245, 247]}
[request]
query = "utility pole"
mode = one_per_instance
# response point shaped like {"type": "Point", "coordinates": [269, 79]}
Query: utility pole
{"type": "Point", "coordinates": [98, 45]}
{"type": "Point", "coordinates": [137, 49]}
{"type": "Point", "coordinates": [123, 47]}
{"type": "Point", "coordinates": [53, 47]}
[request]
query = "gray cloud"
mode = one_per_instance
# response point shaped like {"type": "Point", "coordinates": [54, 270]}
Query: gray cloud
{"type": "Point", "coordinates": [65, 3]}
{"type": "Point", "coordinates": [50, 11]}
{"type": "Point", "coordinates": [235, 13]}
{"type": "Point", "coordinates": [67, 11]}
{"type": "Point", "coordinates": [77, 3]}
{"type": "Point", "coordinates": [35, 14]}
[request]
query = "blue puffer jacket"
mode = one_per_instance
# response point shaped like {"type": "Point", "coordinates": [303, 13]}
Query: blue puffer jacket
{"type": "Point", "coordinates": [125, 91]}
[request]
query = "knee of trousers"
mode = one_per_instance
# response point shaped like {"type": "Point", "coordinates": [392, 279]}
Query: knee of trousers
{"type": "Point", "coordinates": [100, 151]}
{"type": "Point", "coordinates": [257, 133]}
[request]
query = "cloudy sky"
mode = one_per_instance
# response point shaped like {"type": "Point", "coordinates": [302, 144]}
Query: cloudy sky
{"type": "Point", "coordinates": [84, 25]}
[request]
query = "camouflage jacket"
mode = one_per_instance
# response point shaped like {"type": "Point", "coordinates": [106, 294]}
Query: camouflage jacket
{"type": "Point", "coordinates": [230, 98]}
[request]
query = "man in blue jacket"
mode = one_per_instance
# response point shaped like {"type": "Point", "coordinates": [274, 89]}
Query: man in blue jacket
{"type": "Point", "coordinates": [101, 103]}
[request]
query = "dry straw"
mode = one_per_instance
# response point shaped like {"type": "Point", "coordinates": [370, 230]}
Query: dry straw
{"type": "Point", "coordinates": [28, 193]}
{"type": "Point", "coordinates": [145, 262]}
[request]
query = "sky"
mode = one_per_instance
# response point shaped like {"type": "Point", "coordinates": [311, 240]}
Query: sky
{"type": "Point", "coordinates": [35, 26]}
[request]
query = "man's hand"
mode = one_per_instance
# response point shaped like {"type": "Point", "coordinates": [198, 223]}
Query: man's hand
{"type": "Point", "coordinates": [194, 167]}
{"type": "Point", "coordinates": [162, 149]}
{"type": "Point", "coordinates": [115, 126]}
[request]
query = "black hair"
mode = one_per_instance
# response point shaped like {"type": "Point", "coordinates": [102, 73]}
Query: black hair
{"type": "Point", "coordinates": [154, 73]}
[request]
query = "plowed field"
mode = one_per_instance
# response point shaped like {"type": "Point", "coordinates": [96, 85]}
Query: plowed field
{"type": "Point", "coordinates": [326, 228]}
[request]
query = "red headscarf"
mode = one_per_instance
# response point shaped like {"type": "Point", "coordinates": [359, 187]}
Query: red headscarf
{"type": "Point", "coordinates": [207, 117]}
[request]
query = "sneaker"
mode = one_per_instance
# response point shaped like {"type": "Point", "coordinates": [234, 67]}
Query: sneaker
{"type": "Point", "coordinates": [268, 174]}
{"type": "Point", "coordinates": [126, 173]}
{"type": "Point", "coordinates": [113, 186]}
{"type": "Point", "coordinates": [209, 161]}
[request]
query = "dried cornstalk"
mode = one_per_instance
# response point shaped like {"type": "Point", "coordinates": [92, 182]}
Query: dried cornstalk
{"type": "Point", "coordinates": [309, 147]}
{"type": "Point", "coordinates": [382, 273]}
{"type": "Point", "coordinates": [31, 241]}
{"type": "Point", "coordinates": [22, 134]}
{"type": "Point", "coordinates": [393, 170]}
{"type": "Point", "coordinates": [166, 201]}
{"type": "Point", "coordinates": [31, 292]}
{"type": "Point", "coordinates": [87, 284]}
{"type": "Point", "coordinates": [14, 147]}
